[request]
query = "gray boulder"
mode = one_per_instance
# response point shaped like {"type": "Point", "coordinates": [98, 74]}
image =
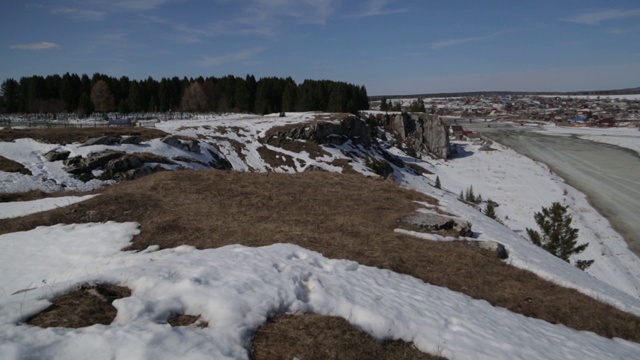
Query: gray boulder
{"type": "Point", "coordinates": [120, 165]}
{"type": "Point", "coordinates": [133, 140]}
{"type": "Point", "coordinates": [193, 146]}
{"type": "Point", "coordinates": [56, 155]}
{"type": "Point", "coordinates": [172, 140]}
{"type": "Point", "coordinates": [102, 140]}
{"type": "Point", "coordinates": [437, 222]}
{"type": "Point", "coordinates": [81, 165]}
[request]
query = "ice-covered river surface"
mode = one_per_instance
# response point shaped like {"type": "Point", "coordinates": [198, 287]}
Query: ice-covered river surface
{"type": "Point", "coordinates": [607, 174]}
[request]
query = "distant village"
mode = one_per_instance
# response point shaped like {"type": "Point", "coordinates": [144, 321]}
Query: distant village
{"type": "Point", "coordinates": [596, 111]}
{"type": "Point", "coordinates": [605, 111]}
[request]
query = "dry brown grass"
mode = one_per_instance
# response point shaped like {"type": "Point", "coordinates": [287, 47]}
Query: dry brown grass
{"type": "Point", "coordinates": [340, 216]}
{"type": "Point", "coordinates": [7, 165]}
{"type": "Point", "coordinates": [85, 306]}
{"type": "Point", "coordinates": [316, 337]}
{"type": "Point", "coordinates": [71, 135]}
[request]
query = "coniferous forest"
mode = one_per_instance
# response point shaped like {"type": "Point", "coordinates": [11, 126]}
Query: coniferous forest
{"type": "Point", "coordinates": [84, 95]}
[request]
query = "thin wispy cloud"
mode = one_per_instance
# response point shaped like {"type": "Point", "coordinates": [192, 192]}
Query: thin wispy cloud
{"type": "Point", "coordinates": [624, 31]}
{"type": "Point", "coordinates": [240, 56]}
{"type": "Point", "coordinates": [379, 8]}
{"type": "Point", "coordinates": [453, 42]}
{"type": "Point", "coordinates": [597, 17]}
{"type": "Point", "coordinates": [263, 18]}
{"type": "Point", "coordinates": [135, 5]}
{"type": "Point", "coordinates": [99, 9]}
{"type": "Point", "coordinates": [304, 11]}
{"type": "Point", "coordinates": [80, 14]}
{"type": "Point", "coordinates": [36, 46]}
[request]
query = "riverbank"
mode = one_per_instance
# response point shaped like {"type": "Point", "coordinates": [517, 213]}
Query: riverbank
{"type": "Point", "coordinates": [522, 186]}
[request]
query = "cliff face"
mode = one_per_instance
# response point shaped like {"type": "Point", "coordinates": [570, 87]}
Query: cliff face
{"type": "Point", "coordinates": [424, 133]}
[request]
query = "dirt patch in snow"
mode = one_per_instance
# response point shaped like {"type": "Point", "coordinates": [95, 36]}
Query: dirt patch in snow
{"type": "Point", "coordinates": [187, 320]}
{"type": "Point", "coordinates": [316, 337]}
{"type": "Point", "coordinates": [7, 165]}
{"type": "Point", "coordinates": [276, 159]}
{"type": "Point", "coordinates": [87, 305]}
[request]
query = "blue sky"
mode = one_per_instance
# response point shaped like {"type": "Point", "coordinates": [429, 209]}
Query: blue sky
{"type": "Point", "coordinates": [390, 46]}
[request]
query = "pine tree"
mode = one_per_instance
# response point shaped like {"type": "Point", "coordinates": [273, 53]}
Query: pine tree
{"type": "Point", "coordinates": [470, 196]}
{"type": "Point", "coordinates": [384, 106]}
{"type": "Point", "coordinates": [461, 197]}
{"type": "Point", "coordinates": [558, 237]}
{"type": "Point", "coordinates": [10, 95]}
{"type": "Point", "coordinates": [438, 185]}
{"type": "Point", "coordinates": [417, 106]}
{"type": "Point", "coordinates": [490, 210]}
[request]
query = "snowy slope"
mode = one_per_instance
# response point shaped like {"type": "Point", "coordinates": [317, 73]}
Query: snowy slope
{"type": "Point", "coordinates": [236, 289]}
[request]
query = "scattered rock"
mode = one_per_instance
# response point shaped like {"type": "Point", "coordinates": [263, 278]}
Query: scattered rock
{"type": "Point", "coordinates": [437, 222]}
{"type": "Point", "coordinates": [494, 246]}
{"type": "Point", "coordinates": [56, 155]}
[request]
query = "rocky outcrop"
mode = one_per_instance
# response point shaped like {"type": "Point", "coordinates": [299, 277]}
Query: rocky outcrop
{"type": "Point", "coordinates": [219, 162]}
{"type": "Point", "coordinates": [423, 133]}
{"type": "Point", "coordinates": [113, 140]}
{"type": "Point", "coordinates": [120, 165]}
{"type": "Point", "coordinates": [335, 132]}
{"type": "Point", "coordinates": [108, 165]}
{"type": "Point", "coordinates": [78, 165]}
{"type": "Point", "coordinates": [190, 145]}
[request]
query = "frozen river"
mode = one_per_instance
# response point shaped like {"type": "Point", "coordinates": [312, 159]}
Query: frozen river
{"type": "Point", "coordinates": [607, 174]}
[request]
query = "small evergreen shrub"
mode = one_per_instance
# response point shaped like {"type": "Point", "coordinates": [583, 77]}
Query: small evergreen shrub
{"type": "Point", "coordinates": [558, 237]}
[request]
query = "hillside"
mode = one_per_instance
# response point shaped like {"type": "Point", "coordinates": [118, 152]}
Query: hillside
{"type": "Point", "coordinates": [223, 263]}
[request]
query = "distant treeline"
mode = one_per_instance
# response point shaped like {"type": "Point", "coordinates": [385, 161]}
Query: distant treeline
{"type": "Point", "coordinates": [102, 93]}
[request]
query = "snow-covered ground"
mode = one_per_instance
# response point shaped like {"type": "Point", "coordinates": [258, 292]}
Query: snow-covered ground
{"type": "Point", "coordinates": [21, 208]}
{"type": "Point", "coordinates": [236, 288]}
{"type": "Point", "coordinates": [623, 137]}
